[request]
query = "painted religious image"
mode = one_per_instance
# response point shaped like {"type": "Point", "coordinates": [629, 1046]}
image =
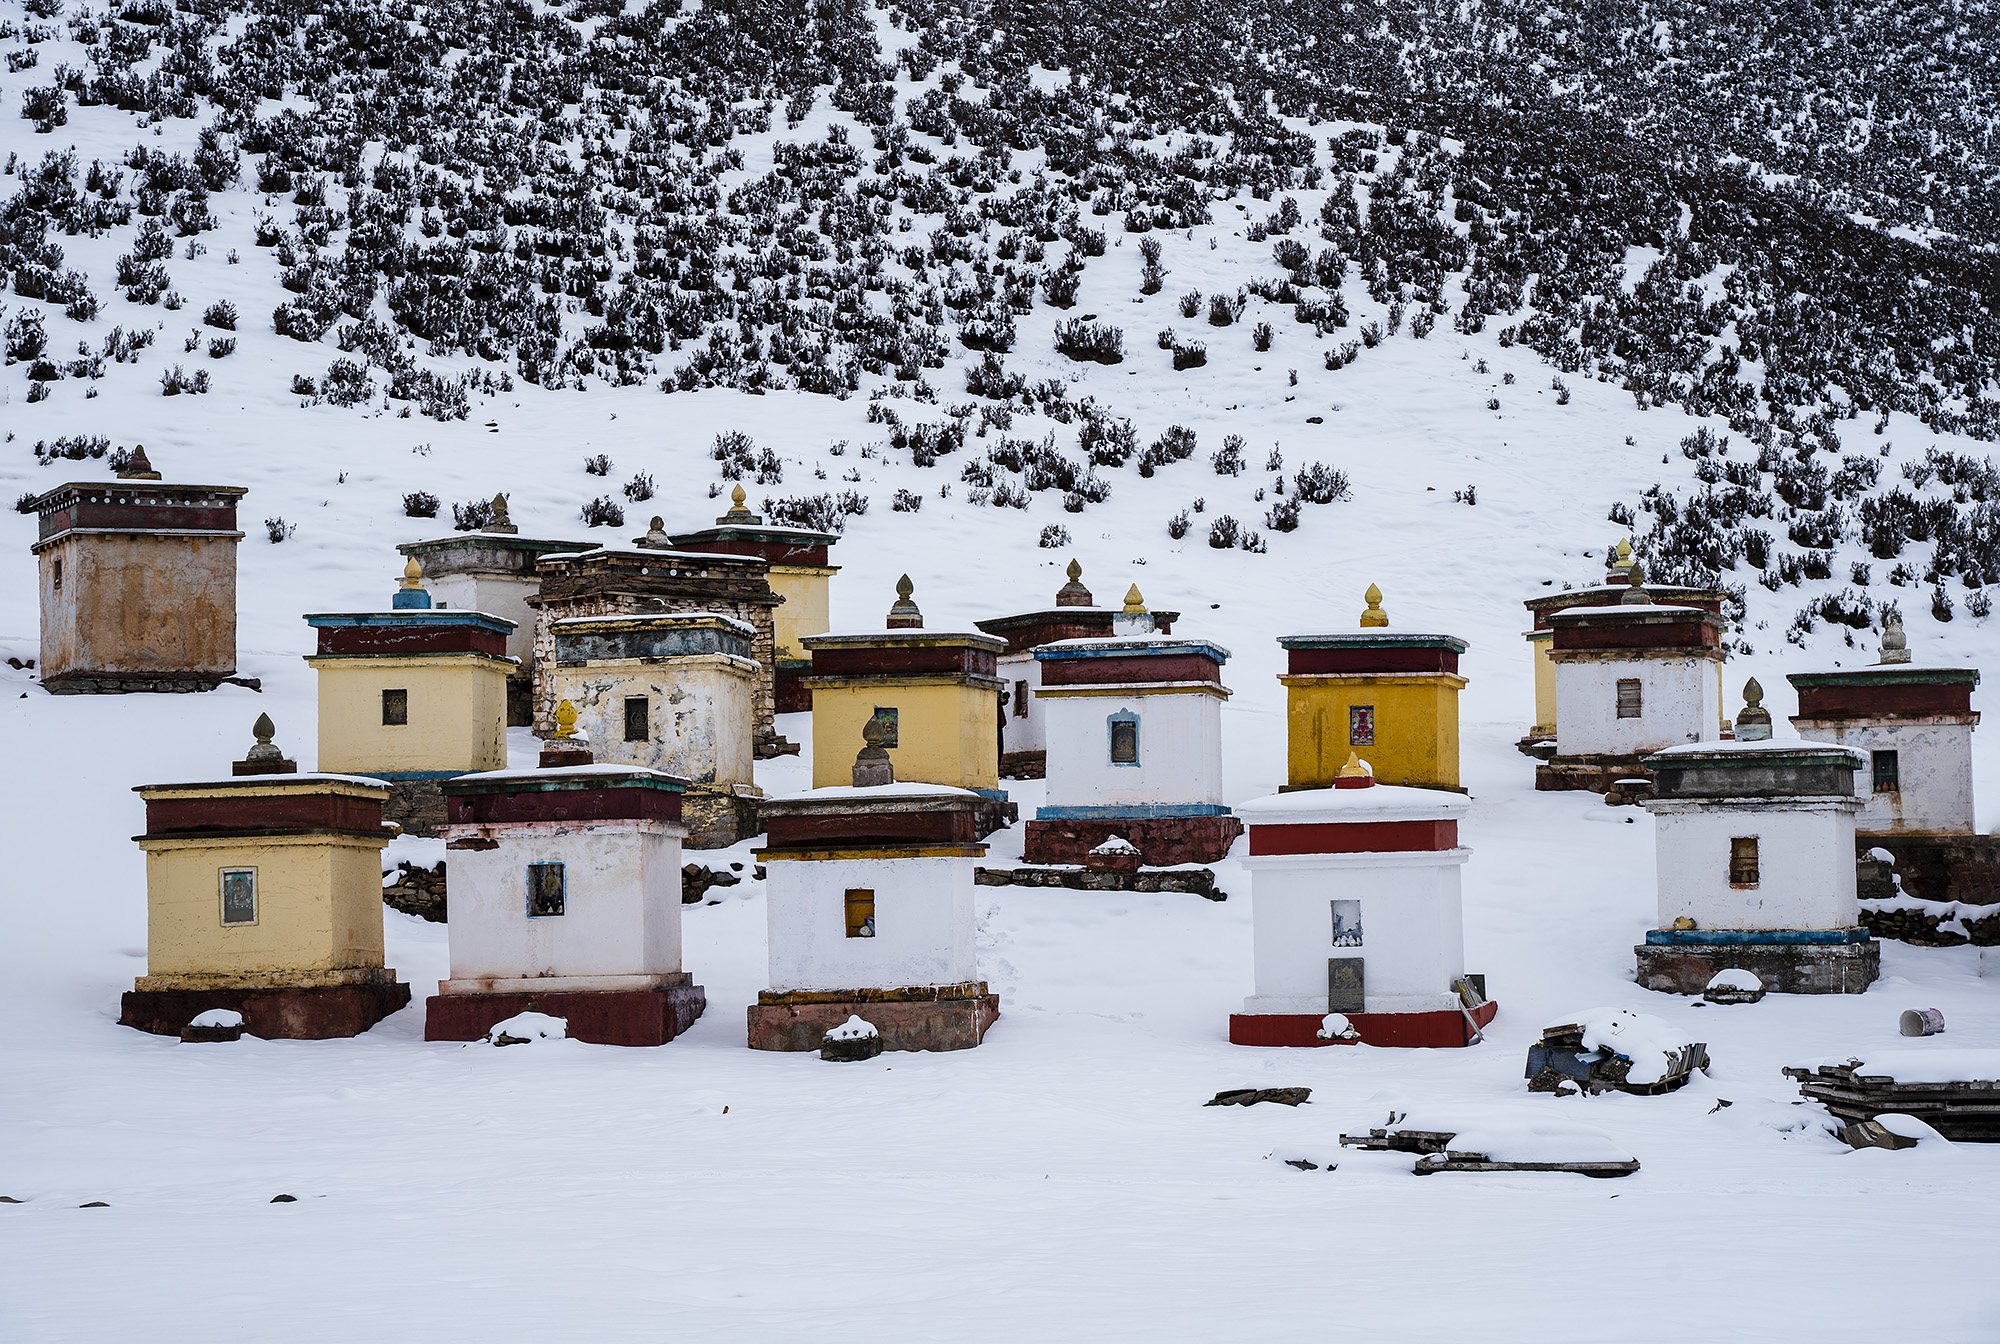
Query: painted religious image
{"type": "Point", "coordinates": [1347, 923]}
{"type": "Point", "coordinates": [1346, 986]}
{"type": "Point", "coordinates": [1361, 725]}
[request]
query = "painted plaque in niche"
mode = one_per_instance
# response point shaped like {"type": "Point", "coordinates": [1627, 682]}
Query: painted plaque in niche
{"type": "Point", "coordinates": [1345, 985]}
{"type": "Point", "coordinates": [1361, 725]}
{"type": "Point", "coordinates": [1347, 923]}
{"type": "Point", "coordinates": [239, 896]}
{"type": "Point", "coordinates": [886, 716]}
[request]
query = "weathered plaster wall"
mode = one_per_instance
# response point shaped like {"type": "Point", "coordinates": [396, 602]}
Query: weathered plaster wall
{"type": "Point", "coordinates": [1805, 865]}
{"type": "Point", "coordinates": [1679, 701]}
{"type": "Point", "coordinates": [923, 923]}
{"type": "Point", "coordinates": [1180, 748]}
{"type": "Point", "coordinates": [621, 923]}
{"type": "Point", "coordinates": [1024, 731]}
{"type": "Point", "coordinates": [457, 714]}
{"type": "Point", "coordinates": [319, 905]}
{"type": "Point", "coordinates": [806, 590]}
{"type": "Point", "coordinates": [947, 733]}
{"type": "Point", "coordinates": [1413, 943]}
{"type": "Point", "coordinates": [497, 595]}
{"type": "Point", "coordinates": [139, 604]}
{"type": "Point", "coordinates": [702, 713]}
{"type": "Point", "coordinates": [1416, 728]}
{"type": "Point", "coordinates": [1934, 761]}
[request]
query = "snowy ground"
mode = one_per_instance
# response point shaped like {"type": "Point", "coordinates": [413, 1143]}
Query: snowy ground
{"type": "Point", "coordinates": [1063, 1180]}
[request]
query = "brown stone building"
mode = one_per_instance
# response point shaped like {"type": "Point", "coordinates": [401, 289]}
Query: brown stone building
{"type": "Point", "coordinates": [647, 582]}
{"type": "Point", "coordinates": [138, 585]}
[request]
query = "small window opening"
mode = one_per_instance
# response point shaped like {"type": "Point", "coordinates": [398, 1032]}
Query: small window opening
{"type": "Point", "coordinates": [239, 897]}
{"type": "Point", "coordinates": [1888, 772]}
{"type": "Point", "coordinates": [395, 707]}
{"type": "Point", "coordinates": [1628, 698]}
{"type": "Point", "coordinates": [860, 905]}
{"type": "Point", "coordinates": [1020, 699]}
{"type": "Point", "coordinates": [886, 716]}
{"type": "Point", "coordinates": [1124, 739]}
{"type": "Point", "coordinates": [1743, 861]}
{"type": "Point", "coordinates": [56, 574]}
{"type": "Point", "coordinates": [546, 890]}
{"type": "Point", "coordinates": [638, 718]}
{"type": "Point", "coordinates": [1361, 725]}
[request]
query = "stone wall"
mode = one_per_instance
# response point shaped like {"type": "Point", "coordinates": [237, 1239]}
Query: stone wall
{"type": "Point", "coordinates": [1161, 841]}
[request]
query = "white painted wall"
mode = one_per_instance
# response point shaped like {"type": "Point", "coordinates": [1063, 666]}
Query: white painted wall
{"type": "Point", "coordinates": [703, 713]}
{"type": "Point", "coordinates": [1805, 855]}
{"type": "Point", "coordinates": [621, 926]}
{"type": "Point", "coordinates": [923, 923]}
{"type": "Point", "coordinates": [1679, 703]}
{"type": "Point", "coordinates": [1934, 761]}
{"type": "Point", "coordinates": [497, 595]}
{"type": "Point", "coordinates": [1030, 733]}
{"type": "Point", "coordinates": [1180, 749]}
{"type": "Point", "coordinates": [1413, 941]}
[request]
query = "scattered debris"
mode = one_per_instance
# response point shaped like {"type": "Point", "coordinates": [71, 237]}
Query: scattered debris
{"type": "Point", "coordinates": [1734, 986]}
{"type": "Point", "coordinates": [1301, 1164]}
{"type": "Point", "coordinates": [284, 1199]}
{"type": "Point", "coordinates": [1537, 1145]}
{"type": "Point", "coordinates": [1921, 1022]}
{"type": "Point", "coordinates": [1610, 1048]}
{"type": "Point", "coordinates": [696, 879]}
{"type": "Point", "coordinates": [854, 1039]}
{"type": "Point", "coordinates": [1250, 1096]}
{"type": "Point", "coordinates": [1193, 881]}
{"type": "Point", "coordinates": [1954, 1092]}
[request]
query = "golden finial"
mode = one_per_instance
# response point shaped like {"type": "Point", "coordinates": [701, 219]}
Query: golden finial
{"type": "Point", "coordinates": [904, 588]}
{"type": "Point", "coordinates": [1374, 616]}
{"type": "Point", "coordinates": [1624, 551]}
{"type": "Point", "coordinates": [1075, 571]}
{"type": "Point", "coordinates": [736, 497]}
{"type": "Point", "coordinates": [565, 721]}
{"type": "Point", "coordinates": [1354, 769]}
{"type": "Point", "coordinates": [413, 574]}
{"type": "Point", "coordinates": [1135, 605]}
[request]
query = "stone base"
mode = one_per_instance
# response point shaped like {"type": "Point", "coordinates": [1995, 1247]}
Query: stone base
{"type": "Point", "coordinates": [1162, 841]}
{"type": "Point", "coordinates": [131, 683]}
{"type": "Point", "coordinates": [1785, 968]}
{"type": "Point", "coordinates": [793, 695]}
{"type": "Point", "coordinates": [1588, 774]}
{"type": "Point", "coordinates": [767, 746]}
{"type": "Point", "coordinates": [417, 805]}
{"type": "Point", "coordinates": [1942, 867]}
{"type": "Point", "coordinates": [1193, 881]}
{"type": "Point", "coordinates": [619, 1017]}
{"type": "Point", "coordinates": [717, 818]}
{"type": "Point", "coordinates": [1024, 765]}
{"type": "Point", "coordinates": [993, 815]}
{"type": "Point", "coordinates": [926, 1019]}
{"type": "Point", "coordinates": [1538, 744]}
{"type": "Point", "coordinates": [1445, 1029]}
{"type": "Point", "coordinates": [520, 702]}
{"type": "Point", "coordinates": [316, 1014]}
{"type": "Point", "coordinates": [418, 891]}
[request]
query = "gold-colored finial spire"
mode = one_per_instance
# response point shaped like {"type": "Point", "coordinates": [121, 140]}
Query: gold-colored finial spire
{"type": "Point", "coordinates": [736, 497]}
{"type": "Point", "coordinates": [904, 588]}
{"type": "Point", "coordinates": [413, 574]}
{"type": "Point", "coordinates": [565, 721]}
{"type": "Point", "coordinates": [1075, 571]}
{"type": "Point", "coordinates": [1374, 616]}
{"type": "Point", "coordinates": [1135, 605]}
{"type": "Point", "coordinates": [1354, 769]}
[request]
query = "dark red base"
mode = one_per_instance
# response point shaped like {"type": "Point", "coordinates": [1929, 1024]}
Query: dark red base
{"type": "Point", "coordinates": [792, 694]}
{"type": "Point", "coordinates": [1440, 1030]}
{"type": "Point", "coordinates": [320, 1014]}
{"type": "Point", "coordinates": [1162, 841]}
{"type": "Point", "coordinates": [612, 1017]}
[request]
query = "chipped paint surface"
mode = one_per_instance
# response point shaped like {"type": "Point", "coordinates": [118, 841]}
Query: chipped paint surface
{"type": "Point", "coordinates": [700, 713]}
{"type": "Point", "coordinates": [139, 604]}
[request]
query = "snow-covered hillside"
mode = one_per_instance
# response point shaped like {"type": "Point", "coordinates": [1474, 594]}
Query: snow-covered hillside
{"type": "Point", "coordinates": [1061, 1181]}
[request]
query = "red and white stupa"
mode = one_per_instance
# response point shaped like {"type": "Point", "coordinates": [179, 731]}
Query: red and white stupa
{"type": "Point", "coordinates": [1358, 931]}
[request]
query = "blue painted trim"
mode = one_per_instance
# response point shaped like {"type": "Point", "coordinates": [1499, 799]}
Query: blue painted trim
{"type": "Point", "coordinates": [1755, 937]}
{"type": "Point", "coordinates": [410, 774]}
{"type": "Point", "coordinates": [411, 599]}
{"type": "Point", "coordinates": [1379, 639]}
{"type": "Point", "coordinates": [1131, 812]}
{"type": "Point", "coordinates": [428, 616]}
{"type": "Point", "coordinates": [997, 795]}
{"type": "Point", "coordinates": [1151, 649]}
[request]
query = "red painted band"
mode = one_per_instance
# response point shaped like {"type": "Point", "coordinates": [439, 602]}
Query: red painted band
{"type": "Point", "coordinates": [1861, 702]}
{"type": "Point", "coordinates": [1390, 658]}
{"type": "Point", "coordinates": [1136, 669]}
{"type": "Point", "coordinates": [289, 810]}
{"type": "Point", "coordinates": [406, 641]}
{"type": "Point", "coordinates": [1353, 837]}
{"type": "Point", "coordinates": [565, 805]}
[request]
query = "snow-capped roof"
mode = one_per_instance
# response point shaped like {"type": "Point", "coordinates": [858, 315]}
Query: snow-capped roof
{"type": "Point", "coordinates": [1379, 802]}
{"type": "Point", "coordinates": [874, 793]}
